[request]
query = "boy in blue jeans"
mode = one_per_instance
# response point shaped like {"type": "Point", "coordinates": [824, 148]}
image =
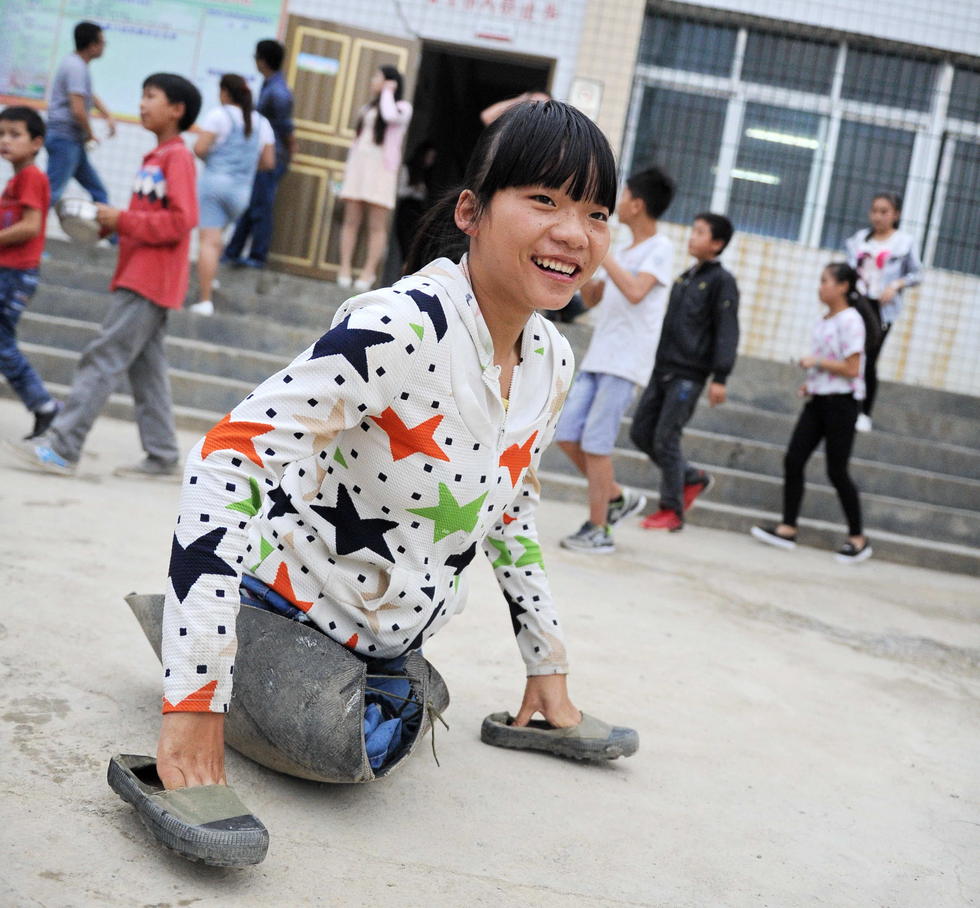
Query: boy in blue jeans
{"type": "Point", "coordinates": [23, 213]}
{"type": "Point", "coordinates": [633, 294]}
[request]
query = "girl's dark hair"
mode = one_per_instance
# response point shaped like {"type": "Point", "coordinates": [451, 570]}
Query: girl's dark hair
{"type": "Point", "coordinates": [241, 96]}
{"type": "Point", "coordinates": [380, 124]}
{"type": "Point", "coordinates": [893, 199]}
{"type": "Point", "coordinates": [536, 143]}
{"type": "Point", "coordinates": [845, 274]}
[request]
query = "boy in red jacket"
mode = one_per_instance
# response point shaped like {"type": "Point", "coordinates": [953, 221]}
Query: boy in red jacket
{"type": "Point", "coordinates": [23, 211]}
{"type": "Point", "coordinates": [150, 279]}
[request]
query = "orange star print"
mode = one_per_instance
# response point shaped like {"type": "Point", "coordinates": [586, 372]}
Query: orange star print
{"type": "Point", "coordinates": [284, 587]}
{"type": "Point", "coordinates": [197, 702]}
{"type": "Point", "coordinates": [415, 440]}
{"type": "Point", "coordinates": [234, 436]}
{"type": "Point", "coordinates": [517, 457]}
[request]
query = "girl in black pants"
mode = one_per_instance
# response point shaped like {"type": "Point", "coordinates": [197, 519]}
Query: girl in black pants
{"type": "Point", "coordinates": [835, 383]}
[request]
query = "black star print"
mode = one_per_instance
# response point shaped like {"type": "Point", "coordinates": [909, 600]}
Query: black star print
{"type": "Point", "coordinates": [353, 531]}
{"type": "Point", "coordinates": [188, 564]}
{"type": "Point", "coordinates": [280, 503]}
{"type": "Point", "coordinates": [462, 560]}
{"type": "Point", "coordinates": [516, 610]}
{"type": "Point", "coordinates": [350, 343]}
{"type": "Point", "coordinates": [431, 306]}
{"type": "Point", "coordinates": [417, 642]}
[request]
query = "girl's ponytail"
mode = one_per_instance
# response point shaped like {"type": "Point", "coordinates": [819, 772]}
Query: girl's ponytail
{"type": "Point", "coordinates": [873, 332]}
{"type": "Point", "coordinates": [241, 96]}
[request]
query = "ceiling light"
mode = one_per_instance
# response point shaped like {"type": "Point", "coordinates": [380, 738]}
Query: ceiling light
{"type": "Point", "coordinates": [782, 138]}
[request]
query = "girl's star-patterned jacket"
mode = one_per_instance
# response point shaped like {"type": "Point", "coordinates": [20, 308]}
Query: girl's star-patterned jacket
{"type": "Point", "coordinates": [360, 481]}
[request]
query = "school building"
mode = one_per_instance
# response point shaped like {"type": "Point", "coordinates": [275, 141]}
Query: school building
{"type": "Point", "coordinates": [786, 116]}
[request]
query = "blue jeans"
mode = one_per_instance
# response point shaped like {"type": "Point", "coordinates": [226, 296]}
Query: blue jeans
{"type": "Point", "coordinates": [257, 220]}
{"type": "Point", "coordinates": [67, 159]}
{"type": "Point", "coordinates": [17, 286]}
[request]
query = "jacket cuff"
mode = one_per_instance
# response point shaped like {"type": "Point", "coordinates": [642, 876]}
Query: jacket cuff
{"type": "Point", "coordinates": [719, 378]}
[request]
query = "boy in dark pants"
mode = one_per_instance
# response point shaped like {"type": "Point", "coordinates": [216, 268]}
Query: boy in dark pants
{"type": "Point", "coordinates": [150, 279]}
{"type": "Point", "coordinates": [699, 339]}
{"type": "Point", "coordinates": [23, 212]}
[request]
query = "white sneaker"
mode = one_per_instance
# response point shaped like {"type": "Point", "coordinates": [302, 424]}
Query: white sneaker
{"type": "Point", "coordinates": [345, 281]}
{"type": "Point", "coordinates": [364, 283]}
{"type": "Point", "coordinates": [205, 307]}
{"type": "Point", "coordinates": [863, 423]}
{"type": "Point", "coordinates": [629, 502]}
{"type": "Point", "coordinates": [590, 538]}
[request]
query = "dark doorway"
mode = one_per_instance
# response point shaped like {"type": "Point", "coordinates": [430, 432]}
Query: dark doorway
{"type": "Point", "coordinates": [452, 87]}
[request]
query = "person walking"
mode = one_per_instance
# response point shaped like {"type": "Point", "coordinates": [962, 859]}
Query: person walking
{"type": "Point", "coordinates": [887, 263]}
{"type": "Point", "coordinates": [835, 385]}
{"type": "Point", "coordinates": [276, 105]}
{"type": "Point", "coordinates": [371, 175]}
{"type": "Point", "coordinates": [69, 128]}
{"type": "Point", "coordinates": [234, 141]}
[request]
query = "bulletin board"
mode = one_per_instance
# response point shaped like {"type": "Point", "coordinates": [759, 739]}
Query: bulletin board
{"type": "Point", "coordinates": [199, 39]}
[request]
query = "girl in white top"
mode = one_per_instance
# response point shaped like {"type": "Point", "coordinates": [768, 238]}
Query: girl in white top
{"type": "Point", "coordinates": [835, 385]}
{"type": "Point", "coordinates": [234, 142]}
{"type": "Point", "coordinates": [371, 175]}
{"type": "Point", "coordinates": [887, 263]}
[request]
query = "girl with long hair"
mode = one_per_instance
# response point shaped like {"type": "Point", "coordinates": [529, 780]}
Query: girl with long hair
{"type": "Point", "coordinates": [835, 385]}
{"type": "Point", "coordinates": [887, 263]}
{"type": "Point", "coordinates": [371, 175]}
{"type": "Point", "coordinates": [234, 141]}
{"type": "Point", "coordinates": [353, 489]}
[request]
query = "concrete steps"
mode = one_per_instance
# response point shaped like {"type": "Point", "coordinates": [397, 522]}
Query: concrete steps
{"type": "Point", "coordinates": [919, 471]}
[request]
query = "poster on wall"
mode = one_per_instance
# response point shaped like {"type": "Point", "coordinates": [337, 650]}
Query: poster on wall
{"type": "Point", "coordinates": [200, 39]}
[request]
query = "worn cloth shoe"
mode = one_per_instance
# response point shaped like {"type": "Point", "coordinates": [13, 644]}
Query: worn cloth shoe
{"type": "Point", "coordinates": [849, 553]}
{"type": "Point", "coordinates": [590, 538]}
{"type": "Point", "coordinates": [629, 502]}
{"type": "Point", "coordinates": [664, 519]}
{"type": "Point", "coordinates": [863, 423]}
{"type": "Point", "coordinates": [42, 421]}
{"type": "Point", "coordinates": [693, 489]}
{"type": "Point", "coordinates": [42, 457]}
{"type": "Point", "coordinates": [150, 468]}
{"type": "Point", "coordinates": [769, 536]}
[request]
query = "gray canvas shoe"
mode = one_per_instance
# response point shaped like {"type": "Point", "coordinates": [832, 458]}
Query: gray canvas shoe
{"type": "Point", "coordinates": [629, 502]}
{"type": "Point", "coordinates": [207, 823]}
{"type": "Point", "coordinates": [591, 739]}
{"type": "Point", "coordinates": [150, 468]}
{"type": "Point", "coordinates": [590, 538]}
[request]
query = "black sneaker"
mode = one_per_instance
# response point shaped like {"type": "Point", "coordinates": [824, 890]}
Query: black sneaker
{"type": "Point", "coordinates": [42, 421]}
{"type": "Point", "coordinates": [849, 553]}
{"type": "Point", "coordinates": [769, 536]}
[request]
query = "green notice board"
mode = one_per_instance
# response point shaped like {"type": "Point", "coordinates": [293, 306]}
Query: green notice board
{"type": "Point", "coordinates": [200, 39]}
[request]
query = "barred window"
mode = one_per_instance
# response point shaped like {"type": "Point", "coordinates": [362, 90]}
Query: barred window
{"type": "Point", "coordinates": [889, 79]}
{"type": "Point", "coordinates": [964, 98]}
{"type": "Point", "coordinates": [695, 46]}
{"type": "Point", "coordinates": [789, 62]}
{"type": "Point", "coordinates": [958, 246]}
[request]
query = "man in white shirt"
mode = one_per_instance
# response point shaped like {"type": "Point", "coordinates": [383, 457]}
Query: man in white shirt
{"type": "Point", "coordinates": [633, 296]}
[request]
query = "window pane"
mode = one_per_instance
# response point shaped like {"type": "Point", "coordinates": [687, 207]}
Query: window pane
{"type": "Point", "coordinates": [681, 133]}
{"type": "Point", "coordinates": [958, 243]}
{"type": "Point", "coordinates": [897, 81]}
{"type": "Point", "coordinates": [772, 172]}
{"type": "Point", "coordinates": [693, 46]}
{"type": "Point", "coordinates": [869, 159]}
{"type": "Point", "coordinates": [964, 99]}
{"type": "Point", "coordinates": [789, 62]}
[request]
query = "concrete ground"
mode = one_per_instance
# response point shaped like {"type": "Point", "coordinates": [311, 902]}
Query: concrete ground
{"type": "Point", "coordinates": [810, 732]}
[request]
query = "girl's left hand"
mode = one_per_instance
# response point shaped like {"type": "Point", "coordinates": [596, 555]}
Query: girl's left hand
{"type": "Point", "coordinates": [888, 294]}
{"type": "Point", "coordinates": [389, 85]}
{"type": "Point", "coordinates": [548, 695]}
{"type": "Point", "coordinates": [808, 362]}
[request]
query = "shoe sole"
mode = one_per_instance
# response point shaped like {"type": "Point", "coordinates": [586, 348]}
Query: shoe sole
{"type": "Point", "coordinates": [29, 458]}
{"type": "Point", "coordinates": [123, 473]}
{"type": "Point", "coordinates": [216, 848]}
{"type": "Point", "coordinates": [777, 542]}
{"type": "Point", "coordinates": [637, 505]}
{"type": "Point", "coordinates": [863, 555]}
{"type": "Point", "coordinates": [498, 734]}
{"type": "Point", "coordinates": [588, 549]}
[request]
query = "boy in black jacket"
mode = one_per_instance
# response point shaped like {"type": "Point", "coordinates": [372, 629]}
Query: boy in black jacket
{"type": "Point", "coordinates": [699, 339]}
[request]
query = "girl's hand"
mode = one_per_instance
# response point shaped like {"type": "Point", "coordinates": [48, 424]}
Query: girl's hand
{"type": "Point", "coordinates": [191, 750]}
{"type": "Point", "coordinates": [809, 362]}
{"type": "Point", "coordinates": [389, 85]}
{"type": "Point", "coordinates": [548, 695]}
{"type": "Point", "coordinates": [888, 294]}
{"type": "Point", "coordinates": [801, 391]}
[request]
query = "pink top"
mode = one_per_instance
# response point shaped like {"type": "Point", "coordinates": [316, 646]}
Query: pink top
{"type": "Point", "coordinates": [836, 338]}
{"type": "Point", "coordinates": [397, 115]}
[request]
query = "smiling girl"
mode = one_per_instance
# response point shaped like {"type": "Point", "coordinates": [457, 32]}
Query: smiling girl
{"type": "Point", "coordinates": [353, 488]}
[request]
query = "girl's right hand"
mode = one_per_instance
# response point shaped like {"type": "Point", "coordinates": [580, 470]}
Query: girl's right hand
{"type": "Point", "coordinates": [389, 85]}
{"type": "Point", "coordinates": [191, 750]}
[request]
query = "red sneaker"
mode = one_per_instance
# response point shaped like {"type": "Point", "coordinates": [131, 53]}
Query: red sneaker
{"type": "Point", "coordinates": [662, 520]}
{"type": "Point", "coordinates": [691, 491]}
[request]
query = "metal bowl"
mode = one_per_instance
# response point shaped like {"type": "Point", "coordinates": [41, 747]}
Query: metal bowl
{"type": "Point", "coordinates": [77, 218]}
